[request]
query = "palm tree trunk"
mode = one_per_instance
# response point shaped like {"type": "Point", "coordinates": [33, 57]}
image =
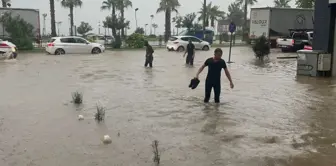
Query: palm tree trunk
{"type": "Point", "coordinates": [212, 21]}
{"type": "Point", "coordinates": [245, 21]}
{"type": "Point", "coordinates": [117, 43]}
{"type": "Point", "coordinates": [71, 20]}
{"type": "Point", "coordinates": [4, 4]}
{"type": "Point", "coordinates": [168, 24]}
{"type": "Point", "coordinates": [52, 16]}
{"type": "Point", "coordinates": [122, 12]}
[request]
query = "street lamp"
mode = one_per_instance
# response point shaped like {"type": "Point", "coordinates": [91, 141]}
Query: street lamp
{"type": "Point", "coordinates": [136, 20]}
{"type": "Point", "coordinates": [146, 29]}
{"type": "Point", "coordinates": [150, 26]}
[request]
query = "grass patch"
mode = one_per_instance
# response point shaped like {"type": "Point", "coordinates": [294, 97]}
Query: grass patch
{"type": "Point", "coordinates": [77, 97]}
{"type": "Point", "coordinates": [100, 114]}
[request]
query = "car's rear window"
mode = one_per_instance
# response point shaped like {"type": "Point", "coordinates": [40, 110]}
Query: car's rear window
{"type": "Point", "coordinates": [172, 38]}
{"type": "Point", "coordinates": [51, 40]}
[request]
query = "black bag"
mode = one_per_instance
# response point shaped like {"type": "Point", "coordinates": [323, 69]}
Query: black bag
{"type": "Point", "coordinates": [194, 83]}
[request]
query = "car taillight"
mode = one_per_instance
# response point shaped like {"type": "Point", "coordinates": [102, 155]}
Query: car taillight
{"type": "Point", "coordinates": [292, 41]}
{"type": "Point", "coordinates": [4, 45]}
{"type": "Point", "coordinates": [51, 44]}
{"type": "Point", "coordinates": [176, 42]}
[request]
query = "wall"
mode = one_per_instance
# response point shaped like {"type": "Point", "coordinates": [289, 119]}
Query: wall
{"type": "Point", "coordinates": [321, 25]}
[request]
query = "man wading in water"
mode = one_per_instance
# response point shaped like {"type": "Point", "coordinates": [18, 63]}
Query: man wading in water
{"type": "Point", "coordinates": [191, 53]}
{"type": "Point", "coordinates": [149, 55]}
{"type": "Point", "coordinates": [213, 79]}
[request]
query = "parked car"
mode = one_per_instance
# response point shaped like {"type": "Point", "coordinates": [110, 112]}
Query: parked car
{"type": "Point", "coordinates": [8, 50]}
{"type": "Point", "coordinates": [179, 43]}
{"type": "Point", "coordinates": [73, 45]}
{"type": "Point", "coordinates": [296, 42]}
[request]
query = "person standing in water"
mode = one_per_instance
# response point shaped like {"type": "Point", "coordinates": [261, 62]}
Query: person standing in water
{"type": "Point", "coordinates": [213, 79]}
{"type": "Point", "coordinates": [191, 53]}
{"type": "Point", "coordinates": [149, 55]}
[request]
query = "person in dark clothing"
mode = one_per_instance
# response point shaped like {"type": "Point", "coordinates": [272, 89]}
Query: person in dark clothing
{"type": "Point", "coordinates": [149, 55]}
{"type": "Point", "coordinates": [213, 79]}
{"type": "Point", "coordinates": [191, 53]}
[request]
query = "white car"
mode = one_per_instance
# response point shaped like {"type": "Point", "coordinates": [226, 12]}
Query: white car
{"type": "Point", "coordinates": [179, 43]}
{"type": "Point", "coordinates": [7, 49]}
{"type": "Point", "coordinates": [73, 45]}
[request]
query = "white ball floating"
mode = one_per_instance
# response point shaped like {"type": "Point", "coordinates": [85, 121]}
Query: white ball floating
{"type": "Point", "coordinates": [80, 117]}
{"type": "Point", "coordinates": [107, 139]}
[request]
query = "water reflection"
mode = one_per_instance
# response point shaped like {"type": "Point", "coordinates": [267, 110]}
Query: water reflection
{"type": "Point", "coordinates": [271, 118]}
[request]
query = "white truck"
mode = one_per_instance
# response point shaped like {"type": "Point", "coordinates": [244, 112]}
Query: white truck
{"type": "Point", "coordinates": [276, 22]}
{"type": "Point", "coordinates": [31, 16]}
{"type": "Point", "coordinates": [297, 41]}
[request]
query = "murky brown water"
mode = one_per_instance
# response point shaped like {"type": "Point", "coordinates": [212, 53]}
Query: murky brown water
{"type": "Point", "coordinates": [271, 118]}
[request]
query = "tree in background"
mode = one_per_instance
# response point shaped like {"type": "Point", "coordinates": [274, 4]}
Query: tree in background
{"type": "Point", "coordinates": [71, 4]}
{"type": "Point", "coordinates": [139, 30]}
{"type": "Point", "coordinates": [282, 3]}
{"type": "Point", "coordinates": [112, 20]}
{"type": "Point", "coordinates": [116, 24]}
{"type": "Point", "coordinates": [168, 6]}
{"type": "Point", "coordinates": [154, 27]}
{"type": "Point", "coordinates": [5, 3]}
{"type": "Point", "coordinates": [52, 18]}
{"type": "Point", "coordinates": [305, 3]}
{"type": "Point", "coordinates": [235, 14]}
{"type": "Point", "coordinates": [84, 28]}
{"type": "Point", "coordinates": [246, 3]}
{"type": "Point", "coordinates": [21, 32]}
{"type": "Point", "coordinates": [121, 6]}
{"type": "Point", "coordinates": [213, 13]}
{"type": "Point", "coordinates": [178, 23]}
{"type": "Point", "coordinates": [188, 21]}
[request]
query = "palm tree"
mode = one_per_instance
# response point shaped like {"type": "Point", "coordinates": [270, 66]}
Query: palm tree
{"type": "Point", "coordinates": [235, 14]}
{"type": "Point", "coordinates": [246, 3]}
{"type": "Point", "coordinates": [71, 4]}
{"type": "Point", "coordinates": [168, 6]}
{"type": "Point", "coordinates": [305, 3]}
{"type": "Point", "coordinates": [178, 23]}
{"type": "Point", "coordinates": [282, 3]}
{"type": "Point", "coordinates": [154, 27]}
{"type": "Point", "coordinates": [5, 2]}
{"type": "Point", "coordinates": [214, 14]}
{"type": "Point", "coordinates": [52, 16]}
{"type": "Point", "coordinates": [188, 20]}
{"type": "Point", "coordinates": [112, 21]}
{"type": "Point", "coordinates": [121, 6]}
{"type": "Point", "coordinates": [207, 16]}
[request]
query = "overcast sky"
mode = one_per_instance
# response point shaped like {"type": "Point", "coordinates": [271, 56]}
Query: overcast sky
{"type": "Point", "coordinates": [90, 11]}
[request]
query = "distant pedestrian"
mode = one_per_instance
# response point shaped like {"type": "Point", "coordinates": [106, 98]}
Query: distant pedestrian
{"type": "Point", "coordinates": [213, 79]}
{"type": "Point", "coordinates": [149, 55]}
{"type": "Point", "coordinates": [191, 53]}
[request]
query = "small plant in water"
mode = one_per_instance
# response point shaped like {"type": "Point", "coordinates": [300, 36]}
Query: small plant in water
{"type": "Point", "coordinates": [77, 97]}
{"type": "Point", "coordinates": [100, 114]}
{"type": "Point", "coordinates": [156, 158]}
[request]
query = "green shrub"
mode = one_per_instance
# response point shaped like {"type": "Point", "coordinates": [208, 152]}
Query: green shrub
{"type": "Point", "coordinates": [135, 40]}
{"type": "Point", "coordinates": [19, 31]}
{"type": "Point", "coordinates": [261, 47]}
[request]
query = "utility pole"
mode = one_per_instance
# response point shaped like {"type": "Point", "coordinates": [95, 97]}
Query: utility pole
{"type": "Point", "coordinates": [136, 19]}
{"type": "Point", "coordinates": [58, 27]}
{"type": "Point", "coordinates": [98, 27]}
{"type": "Point", "coordinates": [44, 24]}
{"type": "Point", "coordinates": [204, 17]}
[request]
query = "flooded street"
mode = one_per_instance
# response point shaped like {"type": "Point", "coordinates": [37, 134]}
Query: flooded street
{"type": "Point", "coordinates": [271, 118]}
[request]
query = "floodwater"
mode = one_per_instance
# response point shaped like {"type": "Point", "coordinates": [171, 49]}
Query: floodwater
{"type": "Point", "coordinates": [271, 118]}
